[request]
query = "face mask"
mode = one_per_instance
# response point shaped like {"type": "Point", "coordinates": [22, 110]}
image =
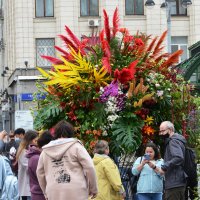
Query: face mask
{"type": "Point", "coordinates": [17, 139]}
{"type": "Point", "coordinates": [164, 136]}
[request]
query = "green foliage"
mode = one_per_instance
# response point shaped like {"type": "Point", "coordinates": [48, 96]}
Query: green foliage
{"type": "Point", "coordinates": [126, 134]}
{"type": "Point", "coordinates": [48, 115]}
{"type": "Point", "coordinates": [92, 119]}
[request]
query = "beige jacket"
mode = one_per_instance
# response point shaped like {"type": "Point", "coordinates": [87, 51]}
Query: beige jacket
{"type": "Point", "coordinates": [66, 171]}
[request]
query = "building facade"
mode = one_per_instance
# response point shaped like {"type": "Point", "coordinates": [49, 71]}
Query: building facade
{"type": "Point", "coordinates": [30, 28]}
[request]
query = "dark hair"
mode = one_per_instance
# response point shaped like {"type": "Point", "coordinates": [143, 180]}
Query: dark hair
{"type": "Point", "coordinates": [19, 131]}
{"type": "Point", "coordinates": [155, 148]}
{"type": "Point", "coordinates": [64, 129]}
{"type": "Point", "coordinates": [44, 139]}
{"type": "Point", "coordinates": [101, 146]}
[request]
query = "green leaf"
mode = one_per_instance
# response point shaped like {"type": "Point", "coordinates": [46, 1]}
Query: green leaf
{"type": "Point", "coordinates": [126, 134]}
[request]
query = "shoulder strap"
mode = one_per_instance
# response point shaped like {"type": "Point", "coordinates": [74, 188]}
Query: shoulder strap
{"type": "Point", "coordinates": [141, 170]}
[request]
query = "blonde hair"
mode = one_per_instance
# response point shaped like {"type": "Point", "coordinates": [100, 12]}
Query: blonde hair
{"type": "Point", "coordinates": [28, 137]}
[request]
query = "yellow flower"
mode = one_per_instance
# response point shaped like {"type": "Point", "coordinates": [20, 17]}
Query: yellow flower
{"type": "Point", "coordinates": [149, 120]}
{"type": "Point", "coordinates": [74, 73]}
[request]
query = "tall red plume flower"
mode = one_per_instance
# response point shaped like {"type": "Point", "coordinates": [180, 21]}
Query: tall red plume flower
{"type": "Point", "coordinates": [53, 60]}
{"type": "Point", "coordinates": [106, 25]}
{"type": "Point", "coordinates": [115, 22]}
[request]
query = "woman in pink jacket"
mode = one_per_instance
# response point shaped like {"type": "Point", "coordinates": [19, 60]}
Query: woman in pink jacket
{"type": "Point", "coordinates": [65, 169]}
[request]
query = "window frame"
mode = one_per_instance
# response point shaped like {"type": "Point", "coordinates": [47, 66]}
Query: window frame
{"type": "Point", "coordinates": [179, 44]}
{"type": "Point", "coordinates": [88, 1]}
{"type": "Point", "coordinates": [178, 4]}
{"type": "Point", "coordinates": [44, 11]}
{"type": "Point", "coordinates": [36, 52]}
{"type": "Point", "coordinates": [134, 1]}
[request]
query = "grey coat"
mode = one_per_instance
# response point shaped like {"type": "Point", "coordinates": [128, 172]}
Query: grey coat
{"type": "Point", "coordinates": [174, 161]}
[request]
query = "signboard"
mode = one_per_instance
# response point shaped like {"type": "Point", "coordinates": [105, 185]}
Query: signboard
{"type": "Point", "coordinates": [29, 96]}
{"type": "Point", "coordinates": [23, 119]}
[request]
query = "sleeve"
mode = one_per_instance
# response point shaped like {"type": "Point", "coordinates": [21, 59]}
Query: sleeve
{"type": "Point", "coordinates": [34, 164]}
{"type": "Point", "coordinates": [159, 164]}
{"type": "Point", "coordinates": [41, 174]}
{"type": "Point", "coordinates": [177, 155]}
{"type": "Point", "coordinates": [23, 159]}
{"type": "Point", "coordinates": [135, 165]}
{"type": "Point", "coordinates": [113, 175]}
{"type": "Point", "coordinates": [2, 146]}
{"type": "Point", "coordinates": [88, 168]}
{"type": "Point", "coordinates": [2, 172]}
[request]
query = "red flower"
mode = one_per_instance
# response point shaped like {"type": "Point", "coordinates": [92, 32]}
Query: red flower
{"type": "Point", "coordinates": [128, 38]}
{"type": "Point", "coordinates": [126, 74]}
{"type": "Point", "coordinates": [143, 113]}
{"type": "Point", "coordinates": [63, 104]}
{"type": "Point", "coordinates": [139, 42]}
{"type": "Point", "coordinates": [72, 116]}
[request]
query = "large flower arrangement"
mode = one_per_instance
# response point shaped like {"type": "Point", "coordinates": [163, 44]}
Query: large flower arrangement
{"type": "Point", "coordinates": [114, 86]}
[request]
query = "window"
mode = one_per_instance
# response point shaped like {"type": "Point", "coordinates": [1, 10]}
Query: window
{"type": "Point", "coordinates": [195, 78]}
{"type": "Point", "coordinates": [134, 7]}
{"type": "Point", "coordinates": [44, 47]}
{"type": "Point", "coordinates": [89, 7]}
{"type": "Point", "coordinates": [44, 8]}
{"type": "Point", "coordinates": [177, 9]}
{"type": "Point", "coordinates": [180, 42]}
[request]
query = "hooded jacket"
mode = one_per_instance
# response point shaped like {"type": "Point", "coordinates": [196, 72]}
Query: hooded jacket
{"type": "Point", "coordinates": [174, 161]}
{"type": "Point", "coordinates": [109, 181]}
{"type": "Point", "coordinates": [33, 155]}
{"type": "Point", "coordinates": [8, 182]}
{"type": "Point", "coordinates": [66, 171]}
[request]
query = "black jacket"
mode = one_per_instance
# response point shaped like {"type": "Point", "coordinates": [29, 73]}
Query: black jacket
{"type": "Point", "coordinates": [174, 161]}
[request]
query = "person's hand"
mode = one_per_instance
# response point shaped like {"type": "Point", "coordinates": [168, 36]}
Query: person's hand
{"type": "Point", "coordinates": [144, 162]}
{"type": "Point", "coordinates": [3, 134]}
{"type": "Point", "coordinates": [93, 195]}
{"type": "Point", "coordinates": [124, 195]}
{"type": "Point", "coordinates": [151, 164]}
{"type": "Point", "coordinates": [161, 172]}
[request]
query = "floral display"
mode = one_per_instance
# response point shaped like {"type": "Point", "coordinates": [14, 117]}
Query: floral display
{"type": "Point", "coordinates": [114, 86]}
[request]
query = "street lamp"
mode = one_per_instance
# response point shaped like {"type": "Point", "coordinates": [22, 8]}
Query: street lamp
{"type": "Point", "coordinates": [150, 3]}
{"type": "Point", "coordinates": [167, 5]}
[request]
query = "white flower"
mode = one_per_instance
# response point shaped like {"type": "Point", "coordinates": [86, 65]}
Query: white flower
{"type": "Point", "coordinates": [105, 133]}
{"type": "Point", "coordinates": [112, 118]}
{"type": "Point", "coordinates": [157, 85]}
{"type": "Point", "coordinates": [160, 93]}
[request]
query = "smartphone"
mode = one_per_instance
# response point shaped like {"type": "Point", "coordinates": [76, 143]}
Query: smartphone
{"type": "Point", "coordinates": [146, 157]}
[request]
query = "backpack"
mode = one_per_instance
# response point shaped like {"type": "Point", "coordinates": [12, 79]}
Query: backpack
{"type": "Point", "coordinates": [190, 166]}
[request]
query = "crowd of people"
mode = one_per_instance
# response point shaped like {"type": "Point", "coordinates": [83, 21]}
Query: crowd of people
{"type": "Point", "coordinates": [37, 166]}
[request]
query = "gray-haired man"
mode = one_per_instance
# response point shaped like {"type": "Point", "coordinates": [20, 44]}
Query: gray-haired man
{"type": "Point", "coordinates": [175, 177]}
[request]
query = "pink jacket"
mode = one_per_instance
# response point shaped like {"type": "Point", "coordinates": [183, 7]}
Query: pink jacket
{"type": "Point", "coordinates": [66, 171]}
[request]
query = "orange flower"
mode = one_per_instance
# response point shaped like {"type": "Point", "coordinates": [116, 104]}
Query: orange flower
{"type": "Point", "coordinates": [92, 144]}
{"type": "Point", "coordinates": [148, 130]}
{"type": "Point", "coordinates": [88, 132]}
